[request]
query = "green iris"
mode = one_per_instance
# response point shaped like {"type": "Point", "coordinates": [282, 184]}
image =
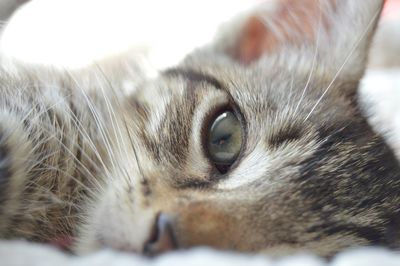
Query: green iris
{"type": "Point", "coordinates": [225, 139]}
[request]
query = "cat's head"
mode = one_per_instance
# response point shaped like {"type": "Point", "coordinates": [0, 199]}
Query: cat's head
{"type": "Point", "coordinates": [255, 143]}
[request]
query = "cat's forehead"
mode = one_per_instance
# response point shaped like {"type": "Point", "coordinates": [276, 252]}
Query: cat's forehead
{"type": "Point", "coordinates": [276, 87]}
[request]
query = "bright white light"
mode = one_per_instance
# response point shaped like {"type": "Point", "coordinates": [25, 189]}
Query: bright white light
{"type": "Point", "coordinates": [74, 33]}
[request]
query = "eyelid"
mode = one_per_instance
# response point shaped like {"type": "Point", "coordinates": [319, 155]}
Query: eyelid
{"type": "Point", "coordinates": [198, 77]}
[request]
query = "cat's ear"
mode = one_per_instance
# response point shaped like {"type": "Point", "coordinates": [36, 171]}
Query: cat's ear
{"type": "Point", "coordinates": [332, 27]}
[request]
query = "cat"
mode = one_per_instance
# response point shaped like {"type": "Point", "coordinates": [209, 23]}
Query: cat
{"type": "Point", "coordinates": [254, 143]}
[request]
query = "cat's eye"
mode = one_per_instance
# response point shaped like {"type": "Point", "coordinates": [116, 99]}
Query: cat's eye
{"type": "Point", "coordinates": [224, 140]}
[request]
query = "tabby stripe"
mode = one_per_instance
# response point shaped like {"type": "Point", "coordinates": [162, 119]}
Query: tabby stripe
{"type": "Point", "coordinates": [194, 76]}
{"type": "Point", "coordinates": [374, 235]}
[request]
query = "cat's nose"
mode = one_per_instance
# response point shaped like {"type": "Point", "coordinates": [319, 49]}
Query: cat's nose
{"type": "Point", "coordinates": [162, 238]}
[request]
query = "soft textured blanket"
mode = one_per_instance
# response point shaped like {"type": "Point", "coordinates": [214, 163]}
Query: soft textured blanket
{"type": "Point", "coordinates": [22, 253]}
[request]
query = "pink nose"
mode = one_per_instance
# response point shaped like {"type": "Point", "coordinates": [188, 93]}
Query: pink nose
{"type": "Point", "coordinates": [162, 238]}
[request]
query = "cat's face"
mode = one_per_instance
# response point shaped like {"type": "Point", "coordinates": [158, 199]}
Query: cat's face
{"type": "Point", "coordinates": [253, 152]}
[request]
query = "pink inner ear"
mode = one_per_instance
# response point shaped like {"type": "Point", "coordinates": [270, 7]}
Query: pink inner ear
{"type": "Point", "coordinates": [391, 9]}
{"type": "Point", "coordinates": [253, 41]}
{"type": "Point", "coordinates": [295, 20]}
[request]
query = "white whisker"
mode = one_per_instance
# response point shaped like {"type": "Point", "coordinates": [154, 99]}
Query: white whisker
{"type": "Point", "coordinates": [119, 138]}
{"type": "Point", "coordinates": [98, 121]}
{"type": "Point", "coordinates": [84, 133]}
{"type": "Point", "coordinates": [57, 169]}
{"type": "Point", "coordinates": [344, 63]}
{"type": "Point", "coordinates": [313, 64]}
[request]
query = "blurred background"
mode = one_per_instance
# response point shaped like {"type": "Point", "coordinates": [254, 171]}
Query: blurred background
{"type": "Point", "coordinates": [73, 33]}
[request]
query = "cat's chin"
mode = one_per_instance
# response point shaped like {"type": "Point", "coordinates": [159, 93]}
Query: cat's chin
{"type": "Point", "coordinates": [107, 228]}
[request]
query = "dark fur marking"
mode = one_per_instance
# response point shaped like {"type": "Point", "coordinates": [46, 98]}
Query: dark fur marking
{"type": "Point", "coordinates": [141, 109]}
{"type": "Point", "coordinates": [392, 229]}
{"type": "Point", "coordinates": [193, 76]}
{"type": "Point", "coordinates": [146, 189]}
{"type": "Point", "coordinates": [180, 116]}
{"type": "Point", "coordinates": [374, 236]}
{"type": "Point", "coordinates": [352, 173]}
{"type": "Point", "coordinates": [192, 183]}
{"type": "Point", "coordinates": [177, 144]}
{"type": "Point", "coordinates": [285, 136]}
{"type": "Point", "coordinates": [369, 163]}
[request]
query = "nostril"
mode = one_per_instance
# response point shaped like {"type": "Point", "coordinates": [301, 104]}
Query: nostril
{"type": "Point", "coordinates": [161, 238]}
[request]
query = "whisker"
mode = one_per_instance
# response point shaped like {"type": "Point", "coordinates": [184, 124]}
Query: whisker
{"type": "Point", "coordinates": [98, 121]}
{"type": "Point", "coordinates": [142, 176]}
{"type": "Point", "coordinates": [313, 64]}
{"type": "Point", "coordinates": [37, 115]}
{"type": "Point", "coordinates": [43, 205]}
{"type": "Point", "coordinates": [83, 153]}
{"type": "Point", "coordinates": [131, 142]}
{"type": "Point", "coordinates": [344, 63]}
{"type": "Point", "coordinates": [73, 156]}
{"type": "Point", "coordinates": [84, 133]}
{"type": "Point", "coordinates": [79, 182]}
{"type": "Point", "coordinates": [77, 161]}
{"type": "Point", "coordinates": [112, 114]}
